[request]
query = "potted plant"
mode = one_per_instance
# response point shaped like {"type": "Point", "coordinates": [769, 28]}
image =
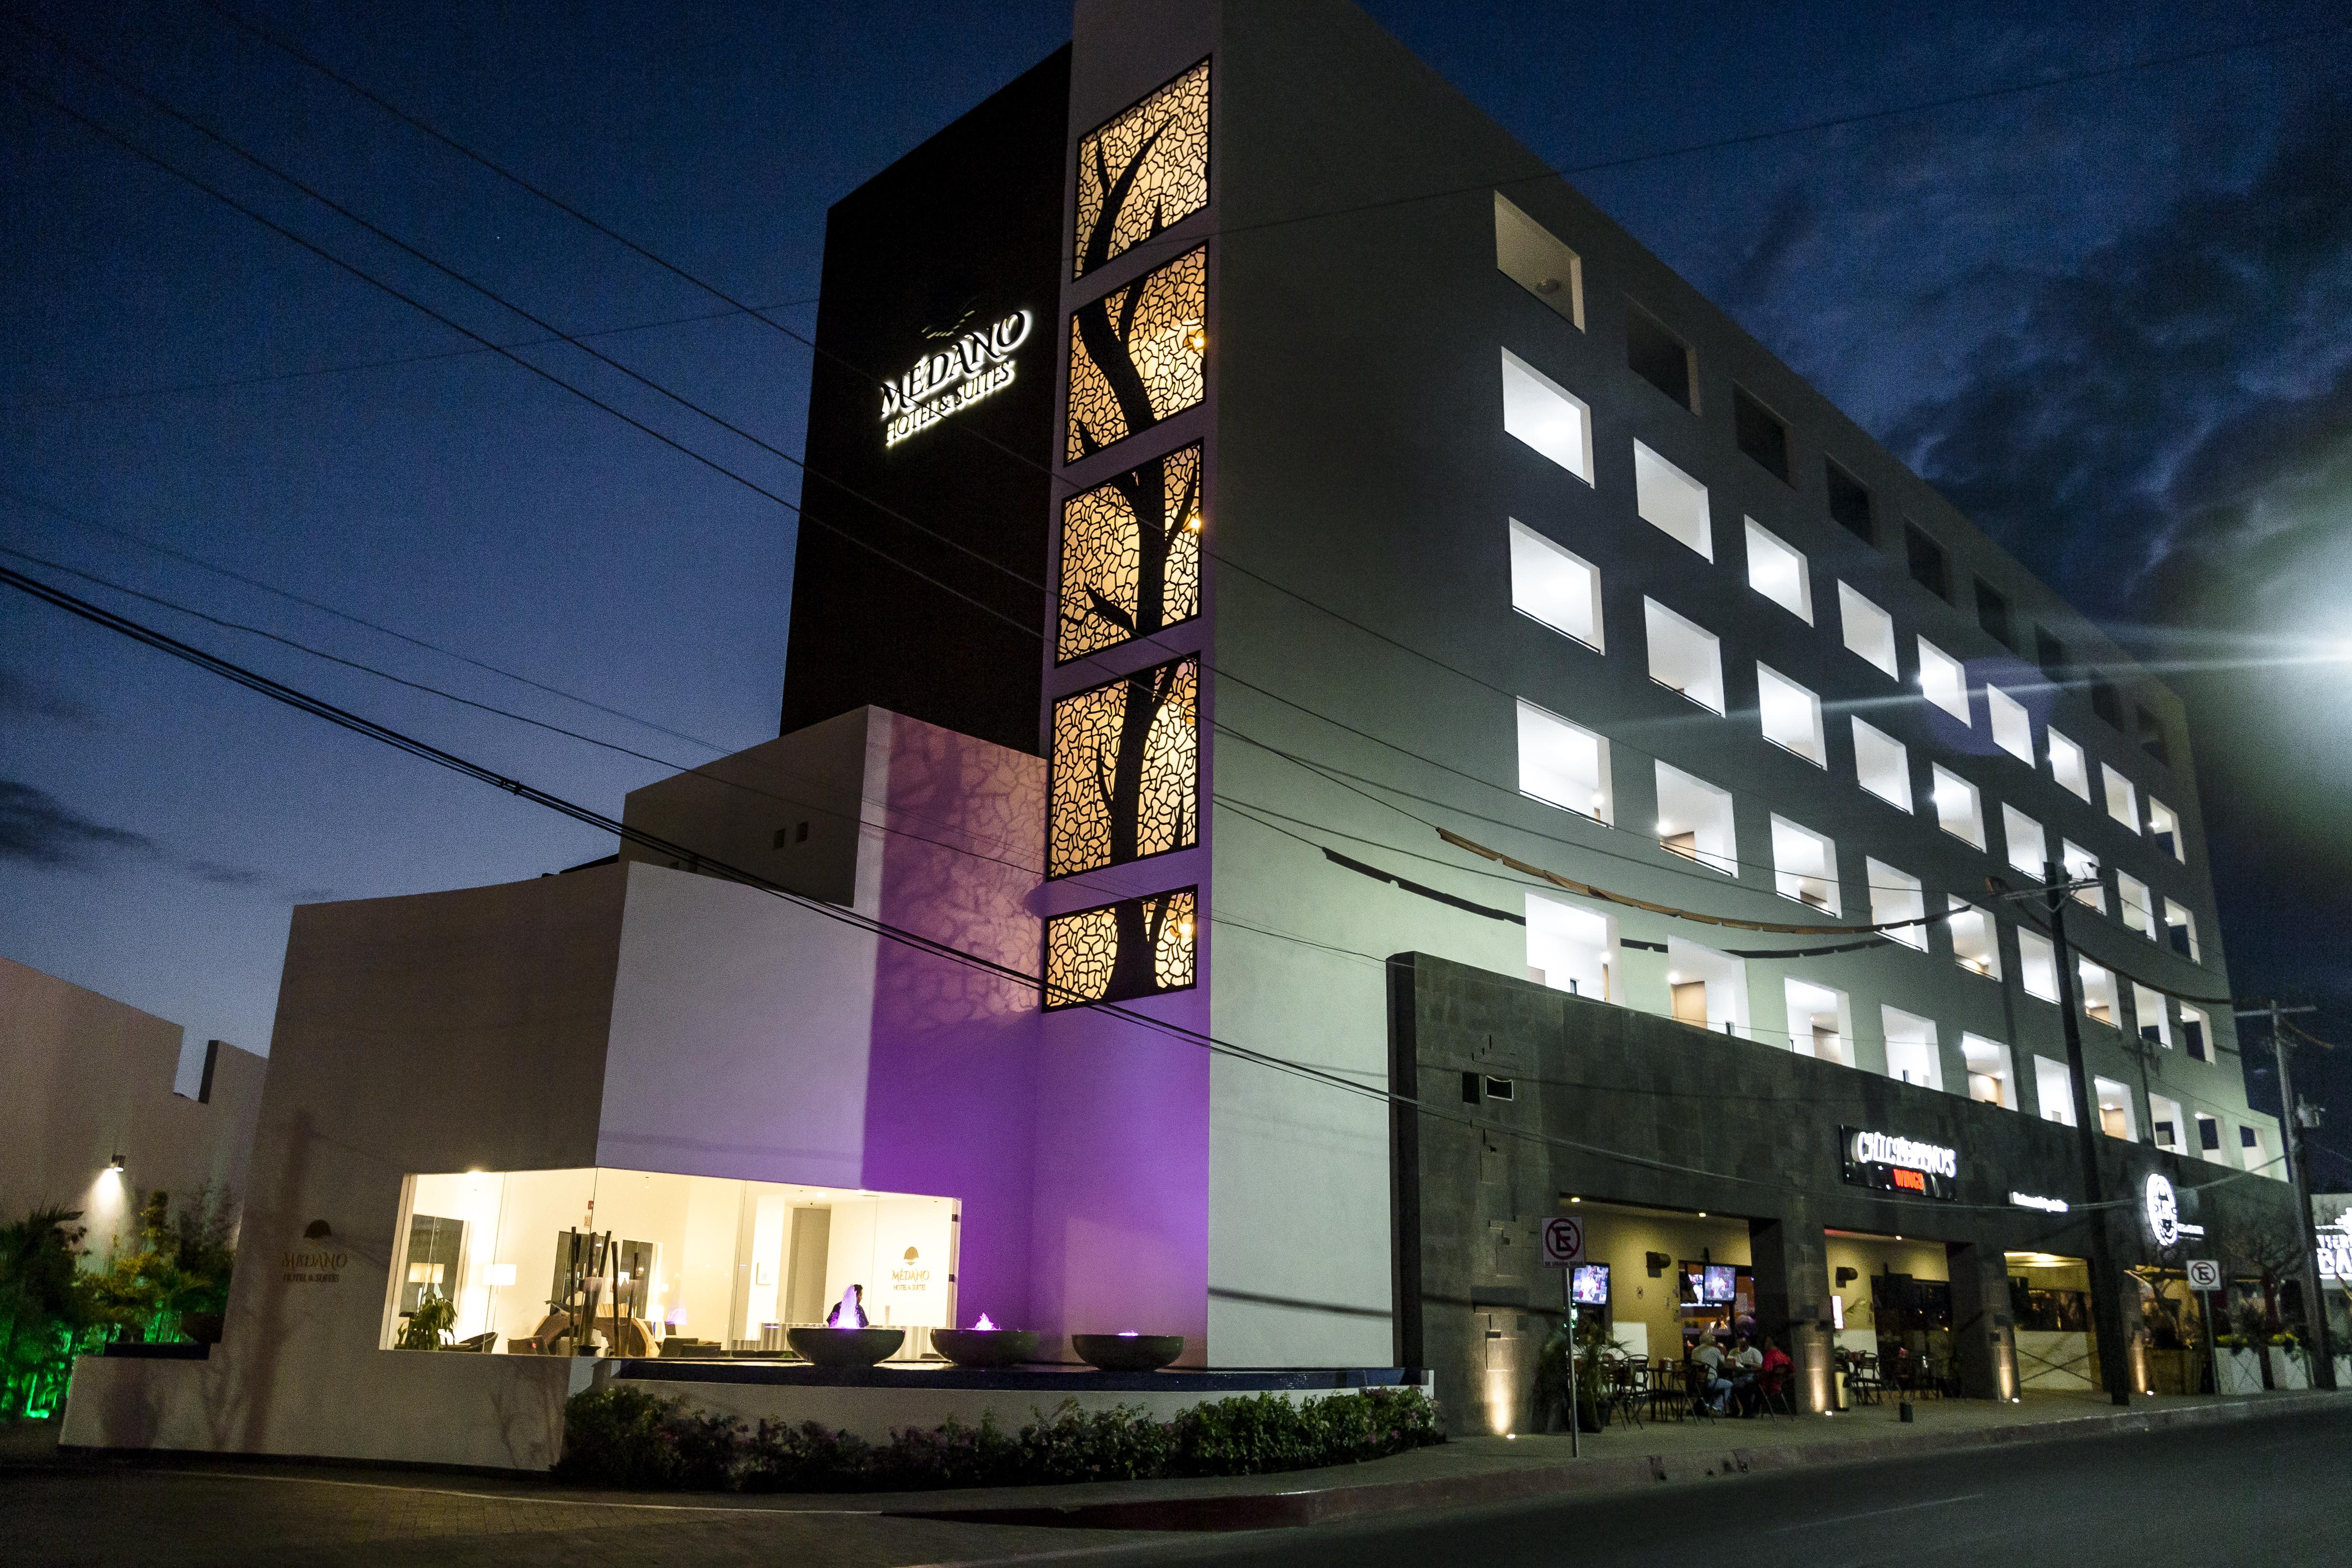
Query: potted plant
{"type": "Point", "coordinates": [2237, 1364]}
{"type": "Point", "coordinates": [2290, 1367]}
{"type": "Point", "coordinates": [434, 1316]}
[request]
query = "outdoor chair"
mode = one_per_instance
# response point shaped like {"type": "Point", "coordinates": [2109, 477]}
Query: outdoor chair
{"type": "Point", "coordinates": [1624, 1395]}
{"type": "Point", "coordinates": [1665, 1393]}
{"type": "Point", "coordinates": [1773, 1396]}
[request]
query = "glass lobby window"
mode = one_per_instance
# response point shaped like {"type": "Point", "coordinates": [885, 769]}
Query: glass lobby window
{"type": "Point", "coordinates": [1944, 681]}
{"type": "Point", "coordinates": [1882, 766]}
{"type": "Point", "coordinates": [1546, 415]}
{"type": "Point", "coordinates": [1869, 630]}
{"type": "Point", "coordinates": [1550, 584]}
{"type": "Point", "coordinates": [1563, 764]}
{"type": "Point", "coordinates": [1791, 715]}
{"type": "Point", "coordinates": [1776, 570]}
{"type": "Point", "coordinates": [1672, 501]}
{"type": "Point", "coordinates": [2012, 729]}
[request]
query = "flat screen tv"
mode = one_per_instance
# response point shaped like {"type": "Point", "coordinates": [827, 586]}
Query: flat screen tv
{"type": "Point", "coordinates": [1589, 1286]}
{"type": "Point", "coordinates": [1720, 1283]}
{"type": "Point", "coordinates": [1694, 1291]}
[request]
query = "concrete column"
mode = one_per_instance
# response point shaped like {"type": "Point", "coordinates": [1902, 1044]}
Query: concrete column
{"type": "Point", "coordinates": [1984, 1334]}
{"type": "Point", "coordinates": [1791, 1266]}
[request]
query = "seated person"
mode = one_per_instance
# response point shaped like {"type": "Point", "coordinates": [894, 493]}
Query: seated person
{"type": "Point", "coordinates": [1709, 1384]}
{"type": "Point", "coordinates": [1777, 1369]}
{"type": "Point", "coordinates": [1747, 1364]}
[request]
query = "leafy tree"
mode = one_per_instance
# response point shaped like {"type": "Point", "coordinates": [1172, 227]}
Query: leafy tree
{"type": "Point", "coordinates": [46, 1313]}
{"type": "Point", "coordinates": [173, 1267]}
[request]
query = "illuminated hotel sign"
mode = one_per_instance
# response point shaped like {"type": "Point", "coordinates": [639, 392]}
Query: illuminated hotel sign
{"type": "Point", "coordinates": [979, 365]}
{"type": "Point", "coordinates": [2336, 1249]}
{"type": "Point", "coordinates": [2035, 1200]}
{"type": "Point", "coordinates": [1890, 1164]}
{"type": "Point", "coordinates": [2162, 1206]}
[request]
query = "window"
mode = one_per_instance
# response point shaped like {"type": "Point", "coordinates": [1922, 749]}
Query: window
{"type": "Point", "coordinates": [1957, 811]}
{"type": "Point", "coordinates": [1791, 715]}
{"type": "Point", "coordinates": [1563, 764]}
{"type": "Point", "coordinates": [1869, 630]}
{"type": "Point", "coordinates": [1672, 500]}
{"type": "Point", "coordinates": [1988, 1071]}
{"type": "Point", "coordinates": [2250, 1148]}
{"type": "Point", "coordinates": [2192, 1034]}
{"type": "Point", "coordinates": [2123, 799]}
{"type": "Point", "coordinates": [1130, 555]}
{"type": "Point", "coordinates": [2151, 736]}
{"type": "Point", "coordinates": [2037, 964]}
{"type": "Point", "coordinates": [2066, 765]}
{"type": "Point", "coordinates": [1153, 354]}
{"type": "Point", "coordinates": [1911, 1054]}
{"type": "Point", "coordinates": [1550, 585]}
{"type": "Point", "coordinates": [1138, 947]}
{"type": "Point", "coordinates": [1531, 257]}
{"type": "Point", "coordinates": [1125, 770]}
{"type": "Point", "coordinates": [1777, 571]}
{"type": "Point", "coordinates": [2138, 908]}
{"type": "Point", "coordinates": [1547, 416]}
{"type": "Point", "coordinates": [1819, 1024]}
{"type": "Point", "coordinates": [1944, 681]}
{"type": "Point", "coordinates": [1761, 434]}
{"type": "Point", "coordinates": [2149, 1017]}
{"type": "Point", "coordinates": [1684, 657]}
{"type": "Point", "coordinates": [1882, 766]}
{"type": "Point", "coordinates": [2029, 851]}
{"type": "Point", "coordinates": [1660, 358]}
{"type": "Point", "coordinates": [2082, 865]}
{"type": "Point", "coordinates": [1571, 948]}
{"type": "Point", "coordinates": [2165, 829]}
{"type": "Point", "coordinates": [1707, 988]}
{"type": "Point", "coordinates": [2116, 1118]}
{"type": "Point", "coordinates": [1896, 897]}
{"type": "Point", "coordinates": [1926, 559]}
{"type": "Point", "coordinates": [2165, 1122]}
{"type": "Point", "coordinates": [1974, 944]}
{"type": "Point", "coordinates": [2208, 1138]}
{"type": "Point", "coordinates": [2051, 654]}
{"type": "Point", "coordinates": [2012, 729]}
{"type": "Point", "coordinates": [2098, 983]}
{"type": "Point", "coordinates": [1695, 821]}
{"type": "Point", "coordinates": [1992, 612]}
{"type": "Point", "coordinates": [1849, 502]}
{"type": "Point", "coordinates": [1143, 171]}
{"type": "Point", "coordinates": [2107, 702]}
{"type": "Point", "coordinates": [2180, 930]}
{"type": "Point", "coordinates": [1805, 866]}
{"type": "Point", "coordinates": [2053, 1091]}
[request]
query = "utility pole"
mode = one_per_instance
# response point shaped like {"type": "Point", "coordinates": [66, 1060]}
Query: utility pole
{"type": "Point", "coordinates": [2106, 1279]}
{"type": "Point", "coordinates": [2315, 1306]}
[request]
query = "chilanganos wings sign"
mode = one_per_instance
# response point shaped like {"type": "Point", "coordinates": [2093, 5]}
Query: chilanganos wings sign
{"type": "Point", "coordinates": [979, 364]}
{"type": "Point", "coordinates": [1890, 1164]}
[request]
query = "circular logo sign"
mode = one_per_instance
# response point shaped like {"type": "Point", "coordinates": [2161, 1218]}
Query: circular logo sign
{"type": "Point", "coordinates": [2163, 1210]}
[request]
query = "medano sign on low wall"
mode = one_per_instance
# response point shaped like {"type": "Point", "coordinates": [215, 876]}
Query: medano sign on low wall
{"type": "Point", "coordinates": [1890, 1164]}
{"type": "Point", "coordinates": [979, 365]}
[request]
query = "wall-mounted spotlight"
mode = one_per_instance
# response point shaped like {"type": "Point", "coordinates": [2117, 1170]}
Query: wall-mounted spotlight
{"type": "Point", "coordinates": [115, 1163]}
{"type": "Point", "coordinates": [1845, 1276]}
{"type": "Point", "coordinates": [1656, 1262]}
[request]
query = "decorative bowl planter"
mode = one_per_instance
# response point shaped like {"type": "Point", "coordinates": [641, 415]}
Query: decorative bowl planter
{"type": "Point", "coordinates": [846, 1347]}
{"type": "Point", "coordinates": [985, 1347]}
{"type": "Point", "coordinates": [1127, 1352]}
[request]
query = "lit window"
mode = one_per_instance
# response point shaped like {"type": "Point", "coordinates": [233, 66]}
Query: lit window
{"type": "Point", "coordinates": [2180, 930]}
{"type": "Point", "coordinates": [1560, 589]}
{"type": "Point", "coordinates": [2148, 1016]}
{"type": "Point", "coordinates": [1974, 946]}
{"type": "Point", "coordinates": [1911, 1054]}
{"type": "Point", "coordinates": [1571, 948]}
{"type": "Point", "coordinates": [2167, 1124]}
{"type": "Point", "coordinates": [1957, 809]}
{"type": "Point", "coordinates": [1820, 1022]}
{"type": "Point", "coordinates": [2115, 1118]}
{"type": "Point", "coordinates": [1869, 630]}
{"type": "Point", "coordinates": [1791, 715]}
{"type": "Point", "coordinates": [1897, 896]}
{"type": "Point", "coordinates": [1672, 501]}
{"type": "Point", "coordinates": [1547, 416]}
{"type": "Point", "coordinates": [1882, 766]}
{"type": "Point", "coordinates": [1777, 571]}
{"type": "Point", "coordinates": [2250, 1155]}
{"type": "Point", "coordinates": [1137, 355]}
{"type": "Point", "coordinates": [2123, 799]}
{"type": "Point", "coordinates": [1944, 681]}
{"type": "Point", "coordinates": [2012, 729]}
{"type": "Point", "coordinates": [1138, 947]}
{"type": "Point", "coordinates": [2138, 906]}
{"type": "Point", "coordinates": [2192, 1033]}
{"type": "Point", "coordinates": [2066, 765]}
{"type": "Point", "coordinates": [2166, 829]}
{"type": "Point", "coordinates": [1805, 866]}
{"type": "Point", "coordinates": [1563, 764]}
{"type": "Point", "coordinates": [1989, 1081]}
{"type": "Point", "coordinates": [2037, 964]}
{"type": "Point", "coordinates": [2098, 984]}
{"type": "Point", "coordinates": [1684, 657]}
{"type": "Point", "coordinates": [1695, 821]}
{"type": "Point", "coordinates": [1144, 170]}
{"type": "Point", "coordinates": [1131, 556]}
{"type": "Point", "coordinates": [1127, 769]}
{"type": "Point", "coordinates": [2053, 1088]}
{"type": "Point", "coordinates": [1530, 257]}
{"type": "Point", "coordinates": [2082, 865]}
{"type": "Point", "coordinates": [2029, 850]}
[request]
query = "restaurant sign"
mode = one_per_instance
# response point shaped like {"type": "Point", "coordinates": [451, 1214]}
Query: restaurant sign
{"type": "Point", "coordinates": [1889, 1163]}
{"type": "Point", "coordinates": [977, 365]}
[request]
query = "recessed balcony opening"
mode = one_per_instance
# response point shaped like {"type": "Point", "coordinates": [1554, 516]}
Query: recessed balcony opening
{"type": "Point", "coordinates": [2165, 828]}
{"type": "Point", "coordinates": [1695, 821]}
{"type": "Point", "coordinates": [1819, 1023]}
{"type": "Point", "coordinates": [2012, 727]}
{"type": "Point", "coordinates": [1958, 811]}
{"type": "Point", "coordinates": [2137, 905]}
{"type": "Point", "coordinates": [2208, 1139]}
{"type": "Point", "coordinates": [1868, 631]}
{"type": "Point", "coordinates": [1976, 946]}
{"type": "Point", "coordinates": [1759, 434]}
{"type": "Point", "coordinates": [1895, 896]}
{"type": "Point", "coordinates": [2098, 985]}
{"type": "Point", "coordinates": [1944, 681]}
{"type": "Point", "coordinates": [1776, 570]}
{"type": "Point", "coordinates": [2123, 798]}
{"type": "Point", "coordinates": [1882, 766]}
{"type": "Point", "coordinates": [1926, 559]}
{"type": "Point", "coordinates": [2193, 1039]}
{"type": "Point", "coordinates": [1555, 587]}
{"type": "Point", "coordinates": [1531, 257]}
{"type": "Point", "coordinates": [1804, 866]}
{"type": "Point", "coordinates": [2149, 1016]}
{"type": "Point", "coordinates": [1992, 614]}
{"type": "Point", "coordinates": [1563, 764]}
{"type": "Point", "coordinates": [1911, 1054]}
{"type": "Point", "coordinates": [1571, 948]}
{"type": "Point", "coordinates": [2082, 865]}
{"type": "Point", "coordinates": [2165, 1123]}
{"type": "Point", "coordinates": [2053, 1091]}
{"type": "Point", "coordinates": [1849, 500]}
{"type": "Point", "coordinates": [2116, 1116]}
{"type": "Point", "coordinates": [2252, 1154]}
{"type": "Point", "coordinates": [1547, 416]}
{"type": "Point", "coordinates": [1708, 989]}
{"type": "Point", "coordinates": [2028, 847]}
{"type": "Point", "coordinates": [2037, 964]}
{"type": "Point", "coordinates": [1990, 1078]}
{"type": "Point", "coordinates": [1791, 715]}
{"type": "Point", "coordinates": [1672, 501]}
{"type": "Point", "coordinates": [2067, 765]}
{"type": "Point", "coordinates": [2180, 930]}
{"type": "Point", "coordinates": [1684, 657]}
{"type": "Point", "coordinates": [1660, 358]}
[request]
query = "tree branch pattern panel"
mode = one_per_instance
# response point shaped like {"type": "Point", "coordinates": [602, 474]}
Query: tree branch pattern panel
{"type": "Point", "coordinates": [1137, 947]}
{"type": "Point", "coordinates": [1131, 555]}
{"type": "Point", "coordinates": [1137, 355]}
{"type": "Point", "coordinates": [1126, 770]}
{"type": "Point", "coordinates": [1144, 170]}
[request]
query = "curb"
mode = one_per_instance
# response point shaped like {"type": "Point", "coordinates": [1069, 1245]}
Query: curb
{"type": "Point", "coordinates": [1291, 1510]}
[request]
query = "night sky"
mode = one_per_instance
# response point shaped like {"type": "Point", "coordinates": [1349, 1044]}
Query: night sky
{"type": "Point", "coordinates": [2112, 318]}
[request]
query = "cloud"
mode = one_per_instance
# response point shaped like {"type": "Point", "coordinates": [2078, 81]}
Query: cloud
{"type": "Point", "coordinates": [223, 875]}
{"type": "Point", "coordinates": [23, 697]}
{"type": "Point", "coordinates": [39, 830]}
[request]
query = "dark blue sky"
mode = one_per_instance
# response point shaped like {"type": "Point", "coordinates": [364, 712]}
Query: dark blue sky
{"type": "Point", "coordinates": [2112, 318]}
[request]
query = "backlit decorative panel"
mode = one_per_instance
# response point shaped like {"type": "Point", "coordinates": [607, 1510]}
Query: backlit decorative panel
{"type": "Point", "coordinates": [1131, 555]}
{"type": "Point", "coordinates": [1138, 947]}
{"type": "Point", "coordinates": [1126, 770]}
{"type": "Point", "coordinates": [1144, 170]}
{"type": "Point", "coordinates": [1137, 353]}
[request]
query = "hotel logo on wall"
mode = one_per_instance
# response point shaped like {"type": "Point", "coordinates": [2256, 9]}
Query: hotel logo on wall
{"type": "Point", "coordinates": [980, 365]}
{"type": "Point", "coordinates": [1890, 1164]}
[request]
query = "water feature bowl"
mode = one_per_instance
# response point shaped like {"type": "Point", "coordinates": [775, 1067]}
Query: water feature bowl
{"type": "Point", "coordinates": [846, 1347]}
{"type": "Point", "coordinates": [985, 1347]}
{"type": "Point", "coordinates": [1127, 1352]}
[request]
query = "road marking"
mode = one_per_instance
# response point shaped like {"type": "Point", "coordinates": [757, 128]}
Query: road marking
{"type": "Point", "coordinates": [1873, 1514]}
{"type": "Point", "coordinates": [511, 1497]}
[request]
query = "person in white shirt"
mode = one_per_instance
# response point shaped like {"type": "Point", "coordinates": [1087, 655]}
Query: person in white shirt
{"type": "Point", "coordinates": [1713, 1388]}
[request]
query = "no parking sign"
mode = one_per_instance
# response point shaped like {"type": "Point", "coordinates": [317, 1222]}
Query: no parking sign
{"type": "Point", "coordinates": [2204, 1274]}
{"type": "Point", "coordinates": [1563, 1242]}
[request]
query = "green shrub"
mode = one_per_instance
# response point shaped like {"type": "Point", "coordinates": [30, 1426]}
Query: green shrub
{"type": "Point", "coordinates": [619, 1435]}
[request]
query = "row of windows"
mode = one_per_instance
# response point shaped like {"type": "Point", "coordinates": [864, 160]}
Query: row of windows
{"type": "Point", "coordinates": [1540, 261]}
